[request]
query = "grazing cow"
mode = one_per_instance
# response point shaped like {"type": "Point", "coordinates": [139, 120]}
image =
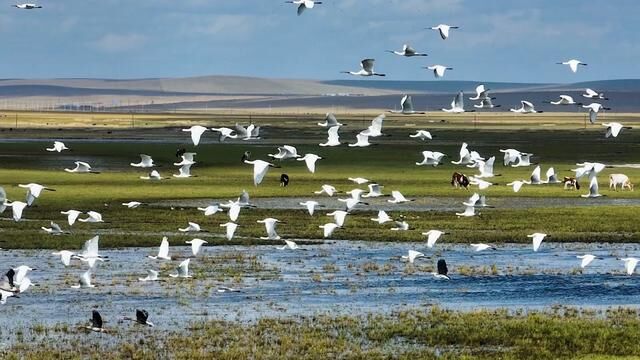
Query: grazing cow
{"type": "Point", "coordinates": [570, 182]}
{"type": "Point", "coordinates": [459, 180]}
{"type": "Point", "coordinates": [620, 179]}
{"type": "Point", "coordinates": [284, 180]}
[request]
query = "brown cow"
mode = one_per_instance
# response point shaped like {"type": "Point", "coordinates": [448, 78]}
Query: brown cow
{"type": "Point", "coordinates": [459, 180]}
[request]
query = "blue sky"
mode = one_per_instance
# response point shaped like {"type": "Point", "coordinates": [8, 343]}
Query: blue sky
{"type": "Point", "coordinates": [499, 40]}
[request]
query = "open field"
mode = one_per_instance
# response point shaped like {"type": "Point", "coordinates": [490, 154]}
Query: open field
{"type": "Point", "coordinates": [432, 334]}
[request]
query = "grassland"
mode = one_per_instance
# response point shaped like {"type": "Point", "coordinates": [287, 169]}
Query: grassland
{"type": "Point", "coordinates": [221, 175]}
{"type": "Point", "coordinates": [563, 333]}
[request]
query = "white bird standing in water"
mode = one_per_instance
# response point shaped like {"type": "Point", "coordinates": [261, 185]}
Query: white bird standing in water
{"type": "Point", "coordinates": [196, 132]}
{"type": "Point", "coordinates": [537, 239]}
{"type": "Point", "coordinates": [163, 252]}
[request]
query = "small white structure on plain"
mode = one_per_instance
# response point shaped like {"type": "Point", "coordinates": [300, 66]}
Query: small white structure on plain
{"type": "Point", "coordinates": [163, 252]}
{"type": "Point", "coordinates": [630, 264]}
{"type": "Point", "coordinates": [442, 270]}
{"type": "Point", "coordinates": [152, 275]}
{"type": "Point", "coordinates": [132, 204]}
{"type": "Point", "coordinates": [375, 190]}
{"type": "Point", "coordinates": [333, 138]}
{"type": "Point", "coordinates": [468, 212]}
{"type": "Point", "coordinates": [211, 209]}
{"type": "Point", "coordinates": [432, 237]}
{"type": "Point", "coordinates": [422, 135]}
{"type": "Point", "coordinates": [406, 107]}
{"type": "Point", "coordinates": [303, 4]}
{"type": "Point", "coordinates": [225, 133]}
{"type": "Point", "coordinates": [573, 64]}
{"type": "Point", "coordinates": [310, 161]}
{"type": "Point", "coordinates": [407, 51]}
{"type": "Point", "coordinates": [565, 100]}
{"type": "Point", "coordinates": [482, 247]}
{"type": "Point", "coordinates": [184, 171]}
{"type": "Point", "coordinates": [196, 132]}
{"type": "Point", "coordinates": [72, 215]}
{"type": "Point", "coordinates": [17, 208]}
{"type": "Point", "coordinates": [53, 230]}
{"type": "Point", "coordinates": [614, 129]}
{"type": "Point", "coordinates": [196, 245]}
{"type": "Point", "coordinates": [65, 256]}
{"type": "Point", "coordinates": [58, 146]}
{"type": "Point", "coordinates": [310, 205]}
{"type": "Point", "coordinates": [330, 121]}
{"type": "Point", "coordinates": [183, 270]}
{"type": "Point", "coordinates": [328, 229]}
{"type": "Point", "coordinates": [260, 168]}
{"type": "Point", "coordinates": [443, 29]}
{"type": "Point", "coordinates": [152, 175]}
{"type": "Point", "coordinates": [326, 189]}
{"type": "Point", "coordinates": [412, 256]}
{"type": "Point", "coordinates": [537, 239]}
{"type": "Point", "coordinates": [433, 158]}
{"type": "Point", "coordinates": [27, 6]}
{"type": "Point", "coordinates": [338, 217]}
{"type": "Point", "coordinates": [289, 245]}
{"type": "Point", "coordinates": [285, 152]}
{"type": "Point", "coordinates": [517, 184]}
{"type": "Point", "coordinates": [438, 70]}
{"type": "Point", "coordinates": [594, 109]}
{"type": "Point", "coordinates": [191, 227]}
{"type": "Point", "coordinates": [145, 162]}
{"type": "Point", "coordinates": [482, 184]}
{"type": "Point", "coordinates": [382, 217]}
{"type": "Point", "coordinates": [92, 217]}
{"type": "Point", "coordinates": [398, 198]}
{"type": "Point", "coordinates": [526, 107]}
{"type": "Point", "coordinates": [230, 229]}
{"type": "Point", "coordinates": [85, 281]}
{"type": "Point", "coordinates": [586, 259]}
{"type": "Point", "coordinates": [366, 69]}
{"type": "Point", "coordinates": [362, 140]}
{"type": "Point", "coordinates": [270, 227]}
{"type": "Point", "coordinates": [81, 167]}
{"type": "Point", "coordinates": [457, 105]}
{"type": "Point", "coordinates": [592, 94]}
{"type": "Point", "coordinates": [593, 188]}
{"type": "Point", "coordinates": [89, 252]}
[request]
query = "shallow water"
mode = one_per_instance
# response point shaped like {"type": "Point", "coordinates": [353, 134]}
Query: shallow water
{"type": "Point", "coordinates": [339, 278]}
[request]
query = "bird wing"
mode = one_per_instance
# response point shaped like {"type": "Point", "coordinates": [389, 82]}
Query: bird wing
{"type": "Point", "coordinates": [241, 130]}
{"type": "Point", "coordinates": [96, 319]}
{"type": "Point", "coordinates": [367, 65]}
{"type": "Point", "coordinates": [164, 248]}
{"type": "Point", "coordinates": [458, 101]}
{"type": "Point", "coordinates": [142, 316]}
{"type": "Point", "coordinates": [332, 134]}
{"type": "Point", "coordinates": [593, 116]}
{"type": "Point", "coordinates": [442, 267]}
{"type": "Point", "coordinates": [260, 169]}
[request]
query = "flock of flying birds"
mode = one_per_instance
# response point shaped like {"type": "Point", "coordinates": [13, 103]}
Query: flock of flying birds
{"type": "Point", "coordinates": [16, 280]}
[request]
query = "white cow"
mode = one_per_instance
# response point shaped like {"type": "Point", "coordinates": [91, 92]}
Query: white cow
{"type": "Point", "coordinates": [620, 179]}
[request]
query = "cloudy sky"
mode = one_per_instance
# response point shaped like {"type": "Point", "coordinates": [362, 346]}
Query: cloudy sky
{"type": "Point", "coordinates": [499, 40]}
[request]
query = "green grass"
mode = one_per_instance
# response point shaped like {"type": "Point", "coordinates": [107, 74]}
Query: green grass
{"type": "Point", "coordinates": [421, 334]}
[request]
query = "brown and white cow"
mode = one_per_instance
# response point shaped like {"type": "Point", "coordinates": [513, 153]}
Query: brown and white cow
{"type": "Point", "coordinates": [459, 180]}
{"type": "Point", "coordinates": [570, 182]}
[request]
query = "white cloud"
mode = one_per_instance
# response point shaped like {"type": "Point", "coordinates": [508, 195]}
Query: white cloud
{"type": "Point", "coordinates": [113, 43]}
